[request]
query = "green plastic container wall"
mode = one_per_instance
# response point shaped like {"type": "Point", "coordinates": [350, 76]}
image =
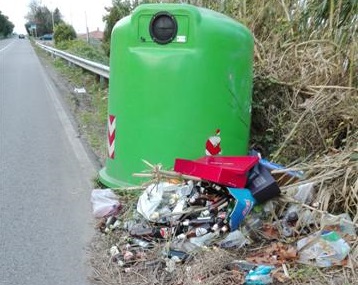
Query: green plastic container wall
{"type": "Point", "coordinates": [180, 87]}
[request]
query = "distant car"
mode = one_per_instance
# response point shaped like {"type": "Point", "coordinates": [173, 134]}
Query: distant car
{"type": "Point", "coordinates": [46, 37]}
{"type": "Point", "coordinates": [21, 36]}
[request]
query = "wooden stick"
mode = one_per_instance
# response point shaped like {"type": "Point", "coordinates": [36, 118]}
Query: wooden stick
{"type": "Point", "coordinates": [130, 188]}
{"type": "Point", "coordinates": [331, 87]}
{"type": "Point", "coordinates": [166, 173]}
{"type": "Point", "coordinates": [148, 164]}
{"type": "Point", "coordinates": [143, 175]}
{"type": "Point", "coordinates": [179, 175]}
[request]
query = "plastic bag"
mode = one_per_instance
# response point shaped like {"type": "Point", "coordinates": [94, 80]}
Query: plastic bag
{"type": "Point", "coordinates": [104, 203]}
{"type": "Point", "coordinates": [342, 224]}
{"type": "Point", "coordinates": [260, 275]}
{"type": "Point", "coordinates": [152, 197]}
{"type": "Point", "coordinates": [323, 250]}
{"type": "Point", "coordinates": [305, 195]}
{"type": "Point", "coordinates": [162, 199]}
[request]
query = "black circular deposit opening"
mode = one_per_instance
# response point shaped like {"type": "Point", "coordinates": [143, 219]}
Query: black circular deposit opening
{"type": "Point", "coordinates": [163, 28]}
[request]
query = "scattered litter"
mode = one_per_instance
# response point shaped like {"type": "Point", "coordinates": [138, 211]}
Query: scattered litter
{"type": "Point", "coordinates": [282, 176]}
{"type": "Point", "coordinates": [261, 184]}
{"type": "Point", "coordinates": [80, 90]}
{"type": "Point", "coordinates": [104, 203]}
{"type": "Point", "coordinates": [234, 239]}
{"type": "Point", "coordinates": [304, 195]}
{"type": "Point", "coordinates": [242, 265]}
{"type": "Point", "coordinates": [259, 276]}
{"type": "Point", "coordinates": [244, 202]}
{"type": "Point", "coordinates": [229, 171]}
{"type": "Point", "coordinates": [342, 224]}
{"type": "Point", "coordinates": [177, 217]}
{"type": "Point", "coordinates": [162, 199]}
{"type": "Point", "coordinates": [323, 249]}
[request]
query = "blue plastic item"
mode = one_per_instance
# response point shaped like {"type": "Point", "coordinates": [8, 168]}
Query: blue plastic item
{"type": "Point", "coordinates": [261, 275]}
{"type": "Point", "coordinates": [244, 203]}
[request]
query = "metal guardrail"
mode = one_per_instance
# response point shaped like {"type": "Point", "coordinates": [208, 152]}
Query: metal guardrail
{"type": "Point", "coordinates": [97, 68]}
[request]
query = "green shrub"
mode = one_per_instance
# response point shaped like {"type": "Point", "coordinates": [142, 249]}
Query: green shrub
{"type": "Point", "coordinates": [85, 50]}
{"type": "Point", "coordinates": [64, 32]}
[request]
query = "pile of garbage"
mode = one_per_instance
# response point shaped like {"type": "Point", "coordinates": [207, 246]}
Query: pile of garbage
{"type": "Point", "coordinates": [225, 203]}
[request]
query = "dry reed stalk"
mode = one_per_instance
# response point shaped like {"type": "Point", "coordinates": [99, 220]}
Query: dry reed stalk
{"type": "Point", "coordinates": [157, 173]}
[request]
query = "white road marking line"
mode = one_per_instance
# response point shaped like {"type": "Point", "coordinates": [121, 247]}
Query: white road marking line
{"type": "Point", "coordinates": [6, 47]}
{"type": "Point", "coordinates": [72, 136]}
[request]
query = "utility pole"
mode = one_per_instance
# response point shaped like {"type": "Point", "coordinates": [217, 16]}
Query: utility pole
{"type": "Point", "coordinates": [52, 15]}
{"type": "Point", "coordinates": [87, 32]}
{"type": "Point", "coordinates": [53, 22]}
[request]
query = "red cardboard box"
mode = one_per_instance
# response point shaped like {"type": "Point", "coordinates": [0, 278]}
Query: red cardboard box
{"type": "Point", "coordinates": [226, 170]}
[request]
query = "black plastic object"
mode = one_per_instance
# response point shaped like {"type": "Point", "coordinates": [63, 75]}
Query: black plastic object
{"type": "Point", "coordinates": [261, 184]}
{"type": "Point", "coordinates": [163, 28]}
{"type": "Point", "coordinates": [178, 255]}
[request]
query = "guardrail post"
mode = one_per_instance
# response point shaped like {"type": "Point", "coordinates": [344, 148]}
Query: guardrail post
{"type": "Point", "coordinates": [102, 82]}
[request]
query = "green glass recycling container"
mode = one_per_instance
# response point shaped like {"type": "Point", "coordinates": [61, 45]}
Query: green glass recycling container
{"type": "Point", "coordinates": [180, 86]}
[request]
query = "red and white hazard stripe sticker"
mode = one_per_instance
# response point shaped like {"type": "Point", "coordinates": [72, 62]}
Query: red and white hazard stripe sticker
{"type": "Point", "coordinates": [212, 146]}
{"type": "Point", "coordinates": [111, 135]}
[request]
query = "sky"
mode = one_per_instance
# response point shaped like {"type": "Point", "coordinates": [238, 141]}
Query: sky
{"type": "Point", "coordinates": [74, 12]}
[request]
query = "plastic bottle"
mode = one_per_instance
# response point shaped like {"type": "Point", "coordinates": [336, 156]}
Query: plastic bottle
{"type": "Point", "coordinates": [240, 265]}
{"type": "Point", "coordinates": [233, 239]}
{"type": "Point", "coordinates": [203, 240]}
{"type": "Point", "coordinates": [251, 227]}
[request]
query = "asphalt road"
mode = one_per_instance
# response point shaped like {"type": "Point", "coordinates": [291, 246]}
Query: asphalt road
{"type": "Point", "coordinates": [45, 178]}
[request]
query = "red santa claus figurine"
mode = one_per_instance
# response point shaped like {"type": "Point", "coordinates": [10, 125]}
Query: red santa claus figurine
{"type": "Point", "coordinates": [212, 146]}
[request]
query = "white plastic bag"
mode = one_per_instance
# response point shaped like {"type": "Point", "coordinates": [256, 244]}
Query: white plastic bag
{"type": "Point", "coordinates": [104, 202]}
{"type": "Point", "coordinates": [162, 199]}
{"type": "Point", "coordinates": [152, 197]}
